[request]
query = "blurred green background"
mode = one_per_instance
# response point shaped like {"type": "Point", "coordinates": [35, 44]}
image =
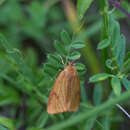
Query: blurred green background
{"type": "Point", "coordinates": [32, 26]}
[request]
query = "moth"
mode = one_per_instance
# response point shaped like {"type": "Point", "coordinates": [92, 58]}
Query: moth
{"type": "Point", "coordinates": [65, 94]}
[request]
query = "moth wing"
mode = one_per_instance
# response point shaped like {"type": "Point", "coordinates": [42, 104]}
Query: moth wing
{"type": "Point", "coordinates": [65, 95]}
{"type": "Point", "coordinates": [57, 99]}
{"type": "Point", "coordinates": [75, 96]}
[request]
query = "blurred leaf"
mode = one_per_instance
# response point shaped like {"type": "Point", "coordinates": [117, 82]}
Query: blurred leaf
{"type": "Point", "coordinates": [2, 1]}
{"type": "Point", "coordinates": [103, 44]}
{"type": "Point", "coordinates": [37, 13]}
{"type": "Point", "coordinates": [33, 111]}
{"type": "Point", "coordinates": [15, 55]}
{"type": "Point", "coordinates": [7, 122]}
{"type": "Point", "coordinates": [126, 83]}
{"type": "Point", "coordinates": [42, 119]}
{"type": "Point", "coordinates": [60, 48]}
{"type": "Point", "coordinates": [49, 73]}
{"type": "Point", "coordinates": [31, 57]}
{"type": "Point", "coordinates": [3, 128]}
{"type": "Point", "coordinates": [74, 55]}
{"type": "Point", "coordinates": [97, 95]}
{"type": "Point", "coordinates": [90, 31]}
{"type": "Point", "coordinates": [114, 31]}
{"type": "Point", "coordinates": [106, 123]}
{"type": "Point", "coordinates": [120, 50]}
{"type": "Point", "coordinates": [65, 37]}
{"type": "Point", "coordinates": [126, 66]}
{"type": "Point", "coordinates": [118, 41]}
{"type": "Point", "coordinates": [80, 66]}
{"type": "Point", "coordinates": [82, 6]}
{"type": "Point", "coordinates": [99, 77]}
{"type": "Point", "coordinates": [78, 44]}
{"type": "Point", "coordinates": [8, 95]}
{"type": "Point", "coordinates": [5, 65]}
{"type": "Point", "coordinates": [50, 69]}
{"type": "Point", "coordinates": [55, 60]}
{"type": "Point", "coordinates": [116, 85]}
{"type": "Point", "coordinates": [81, 73]}
{"type": "Point", "coordinates": [83, 92]}
{"type": "Point", "coordinates": [90, 123]}
{"type": "Point", "coordinates": [52, 66]}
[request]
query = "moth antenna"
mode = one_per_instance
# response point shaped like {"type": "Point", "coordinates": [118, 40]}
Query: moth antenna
{"type": "Point", "coordinates": [62, 61]}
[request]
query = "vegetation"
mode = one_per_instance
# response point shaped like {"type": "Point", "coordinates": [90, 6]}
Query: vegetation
{"type": "Point", "coordinates": [34, 35]}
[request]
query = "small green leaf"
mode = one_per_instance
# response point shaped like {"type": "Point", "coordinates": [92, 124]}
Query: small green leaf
{"type": "Point", "coordinates": [80, 66]}
{"type": "Point", "coordinates": [81, 72]}
{"type": "Point", "coordinates": [7, 122]}
{"type": "Point", "coordinates": [82, 6]}
{"type": "Point", "coordinates": [51, 72]}
{"type": "Point", "coordinates": [120, 50]}
{"type": "Point", "coordinates": [114, 31]}
{"type": "Point", "coordinates": [54, 59]}
{"type": "Point", "coordinates": [78, 45]}
{"type": "Point", "coordinates": [52, 66]}
{"type": "Point", "coordinates": [99, 77]}
{"type": "Point", "coordinates": [60, 48]}
{"type": "Point", "coordinates": [126, 83]}
{"type": "Point", "coordinates": [103, 44]}
{"type": "Point", "coordinates": [116, 85]}
{"type": "Point", "coordinates": [65, 38]}
{"type": "Point", "coordinates": [74, 56]}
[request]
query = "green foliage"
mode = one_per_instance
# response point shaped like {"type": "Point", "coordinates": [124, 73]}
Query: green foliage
{"type": "Point", "coordinates": [82, 6]}
{"type": "Point", "coordinates": [116, 85]}
{"type": "Point", "coordinates": [7, 123]}
{"type": "Point", "coordinates": [99, 77]}
{"type": "Point", "coordinates": [103, 44]}
{"type": "Point", "coordinates": [126, 83]}
{"type": "Point", "coordinates": [30, 62]}
{"type": "Point", "coordinates": [65, 51]}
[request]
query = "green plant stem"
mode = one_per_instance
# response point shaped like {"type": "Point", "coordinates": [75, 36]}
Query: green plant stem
{"type": "Point", "coordinates": [90, 113]}
{"type": "Point", "coordinates": [103, 6]}
{"type": "Point", "coordinates": [105, 35]}
{"type": "Point", "coordinates": [91, 59]}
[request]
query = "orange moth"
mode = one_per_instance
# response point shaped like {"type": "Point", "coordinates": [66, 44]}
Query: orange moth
{"type": "Point", "coordinates": [65, 94]}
